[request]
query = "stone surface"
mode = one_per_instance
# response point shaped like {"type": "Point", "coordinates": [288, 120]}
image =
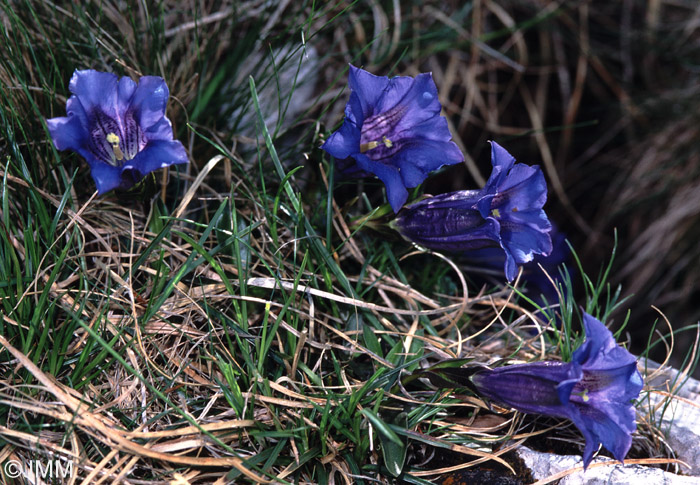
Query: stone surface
{"type": "Point", "coordinates": [544, 465]}
{"type": "Point", "coordinates": [295, 73]}
{"type": "Point", "coordinates": [678, 417]}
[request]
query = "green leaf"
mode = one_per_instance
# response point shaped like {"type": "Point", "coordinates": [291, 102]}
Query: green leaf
{"type": "Point", "coordinates": [393, 447]}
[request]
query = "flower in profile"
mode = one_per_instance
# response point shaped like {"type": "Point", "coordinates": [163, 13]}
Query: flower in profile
{"type": "Point", "coordinates": [393, 129]}
{"type": "Point", "coordinates": [506, 213]}
{"type": "Point", "coordinates": [118, 126]}
{"type": "Point", "coordinates": [595, 390]}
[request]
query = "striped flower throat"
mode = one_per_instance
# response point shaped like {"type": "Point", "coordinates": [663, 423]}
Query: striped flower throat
{"type": "Point", "coordinates": [114, 142]}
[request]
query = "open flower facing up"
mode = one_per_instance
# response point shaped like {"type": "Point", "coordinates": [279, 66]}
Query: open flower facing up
{"type": "Point", "coordinates": [118, 126]}
{"type": "Point", "coordinates": [506, 213]}
{"type": "Point", "coordinates": [393, 129]}
{"type": "Point", "coordinates": [595, 390]}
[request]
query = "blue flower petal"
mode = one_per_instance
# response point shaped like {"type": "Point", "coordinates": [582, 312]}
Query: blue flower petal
{"type": "Point", "coordinates": [394, 94]}
{"type": "Point", "coordinates": [369, 88]}
{"type": "Point", "coordinates": [530, 388]}
{"type": "Point", "coordinates": [601, 426]}
{"type": "Point", "coordinates": [107, 177]}
{"type": "Point", "coordinates": [396, 192]}
{"type": "Point", "coordinates": [502, 162]}
{"type": "Point", "coordinates": [96, 90]}
{"type": "Point", "coordinates": [70, 132]}
{"type": "Point", "coordinates": [158, 154]}
{"type": "Point", "coordinates": [510, 267]}
{"type": "Point", "coordinates": [525, 234]}
{"type": "Point", "coordinates": [566, 386]}
{"type": "Point", "coordinates": [67, 132]}
{"type": "Point", "coordinates": [354, 114]}
{"type": "Point", "coordinates": [598, 339]}
{"type": "Point", "coordinates": [393, 129]}
{"type": "Point", "coordinates": [417, 158]}
{"type": "Point", "coordinates": [435, 129]}
{"type": "Point", "coordinates": [448, 222]}
{"type": "Point", "coordinates": [450, 235]}
{"type": "Point", "coordinates": [125, 92]}
{"type": "Point", "coordinates": [409, 102]}
{"type": "Point", "coordinates": [345, 142]}
{"type": "Point", "coordinates": [161, 130]}
{"type": "Point", "coordinates": [612, 368]}
{"type": "Point", "coordinates": [148, 101]}
{"type": "Point", "coordinates": [523, 187]}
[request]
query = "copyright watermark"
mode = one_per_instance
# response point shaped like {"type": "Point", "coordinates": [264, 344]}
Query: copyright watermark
{"type": "Point", "coordinates": [12, 468]}
{"type": "Point", "coordinates": [53, 470]}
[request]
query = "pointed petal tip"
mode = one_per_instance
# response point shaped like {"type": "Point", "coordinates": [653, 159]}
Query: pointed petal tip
{"type": "Point", "coordinates": [397, 196]}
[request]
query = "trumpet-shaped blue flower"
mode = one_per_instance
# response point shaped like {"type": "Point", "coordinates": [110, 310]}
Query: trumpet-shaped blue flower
{"type": "Point", "coordinates": [118, 126]}
{"type": "Point", "coordinates": [595, 390]}
{"type": "Point", "coordinates": [506, 213]}
{"type": "Point", "coordinates": [393, 129]}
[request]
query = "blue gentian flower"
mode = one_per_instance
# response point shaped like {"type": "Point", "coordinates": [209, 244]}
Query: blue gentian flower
{"type": "Point", "coordinates": [393, 129]}
{"type": "Point", "coordinates": [118, 126]}
{"type": "Point", "coordinates": [506, 213]}
{"type": "Point", "coordinates": [595, 390]}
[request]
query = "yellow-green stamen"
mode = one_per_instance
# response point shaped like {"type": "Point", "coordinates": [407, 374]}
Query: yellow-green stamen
{"type": "Point", "coordinates": [583, 394]}
{"type": "Point", "coordinates": [374, 144]}
{"type": "Point", "coordinates": [496, 213]}
{"type": "Point", "coordinates": [368, 146]}
{"type": "Point", "coordinates": [113, 140]}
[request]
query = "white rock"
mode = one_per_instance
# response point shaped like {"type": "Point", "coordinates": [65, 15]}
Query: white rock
{"type": "Point", "coordinates": [544, 465]}
{"type": "Point", "coordinates": [679, 417]}
{"type": "Point", "coordinates": [294, 71]}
